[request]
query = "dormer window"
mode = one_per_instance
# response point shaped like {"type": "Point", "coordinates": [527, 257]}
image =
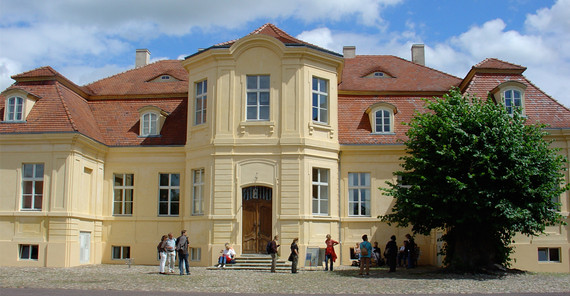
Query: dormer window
{"type": "Point", "coordinates": [511, 94]}
{"type": "Point", "coordinates": [382, 118]}
{"type": "Point", "coordinates": [14, 109]}
{"type": "Point", "coordinates": [513, 100]}
{"type": "Point", "coordinates": [378, 74]}
{"type": "Point", "coordinates": [151, 121]}
{"type": "Point", "coordinates": [164, 78]}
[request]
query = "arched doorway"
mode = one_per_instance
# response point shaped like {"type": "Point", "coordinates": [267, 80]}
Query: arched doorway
{"type": "Point", "coordinates": [256, 232]}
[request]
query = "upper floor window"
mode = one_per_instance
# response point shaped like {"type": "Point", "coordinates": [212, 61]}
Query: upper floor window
{"type": "Point", "coordinates": [201, 102]}
{"type": "Point", "coordinates": [257, 97]}
{"type": "Point", "coordinates": [383, 121]}
{"type": "Point", "coordinates": [14, 109]}
{"type": "Point", "coordinates": [320, 100]}
{"type": "Point", "coordinates": [32, 186]}
{"type": "Point", "coordinates": [320, 191]}
{"type": "Point", "coordinates": [359, 194]}
{"type": "Point", "coordinates": [123, 187]}
{"type": "Point", "coordinates": [513, 100]}
{"type": "Point", "coordinates": [169, 194]}
{"type": "Point", "coordinates": [149, 124]}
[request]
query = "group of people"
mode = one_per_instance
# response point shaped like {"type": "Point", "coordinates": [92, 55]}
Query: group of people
{"type": "Point", "coordinates": [168, 247]}
{"type": "Point", "coordinates": [407, 253]}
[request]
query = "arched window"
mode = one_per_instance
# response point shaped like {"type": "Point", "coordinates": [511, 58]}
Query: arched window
{"type": "Point", "coordinates": [149, 124]}
{"type": "Point", "coordinates": [511, 94]}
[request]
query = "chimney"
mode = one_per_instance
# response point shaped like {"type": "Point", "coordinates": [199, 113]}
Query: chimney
{"type": "Point", "coordinates": [349, 52]}
{"type": "Point", "coordinates": [142, 58]}
{"type": "Point", "coordinates": [418, 54]}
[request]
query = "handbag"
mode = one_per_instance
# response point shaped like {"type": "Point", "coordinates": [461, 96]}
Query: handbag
{"type": "Point", "coordinates": [291, 257]}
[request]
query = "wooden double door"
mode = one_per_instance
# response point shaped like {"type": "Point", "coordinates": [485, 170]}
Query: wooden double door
{"type": "Point", "coordinates": [257, 218]}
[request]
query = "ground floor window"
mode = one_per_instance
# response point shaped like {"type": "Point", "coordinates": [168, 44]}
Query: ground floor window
{"type": "Point", "coordinates": [121, 252]}
{"type": "Point", "coordinates": [548, 254]}
{"type": "Point", "coordinates": [195, 254]}
{"type": "Point", "coordinates": [29, 252]}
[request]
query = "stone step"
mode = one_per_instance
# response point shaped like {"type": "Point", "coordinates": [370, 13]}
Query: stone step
{"type": "Point", "coordinates": [256, 262]}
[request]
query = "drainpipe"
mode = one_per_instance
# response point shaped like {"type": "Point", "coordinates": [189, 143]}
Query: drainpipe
{"type": "Point", "coordinates": [339, 209]}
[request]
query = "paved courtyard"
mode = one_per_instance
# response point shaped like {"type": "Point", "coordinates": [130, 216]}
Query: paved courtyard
{"type": "Point", "coordinates": [344, 280]}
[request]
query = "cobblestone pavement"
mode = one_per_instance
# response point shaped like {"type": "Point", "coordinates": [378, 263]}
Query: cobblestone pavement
{"type": "Point", "coordinates": [344, 280]}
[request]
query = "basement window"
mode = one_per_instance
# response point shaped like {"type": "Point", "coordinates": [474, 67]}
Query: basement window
{"type": "Point", "coordinates": [549, 255]}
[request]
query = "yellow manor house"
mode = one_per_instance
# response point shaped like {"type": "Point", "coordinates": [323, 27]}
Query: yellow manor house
{"type": "Point", "coordinates": [261, 136]}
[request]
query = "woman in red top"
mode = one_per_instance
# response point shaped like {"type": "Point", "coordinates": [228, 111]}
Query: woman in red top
{"type": "Point", "coordinates": [329, 252]}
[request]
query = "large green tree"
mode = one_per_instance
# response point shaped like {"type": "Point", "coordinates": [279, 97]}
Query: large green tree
{"type": "Point", "coordinates": [478, 173]}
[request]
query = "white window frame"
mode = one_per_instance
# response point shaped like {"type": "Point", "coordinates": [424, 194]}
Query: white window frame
{"type": "Point", "coordinates": [195, 254]}
{"type": "Point", "coordinates": [359, 194]}
{"type": "Point", "coordinates": [122, 253]}
{"type": "Point", "coordinates": [34, 179]}
{"type": "Point", "coordinates": [31, 250]}
{"type": "Point", "coordinates": [201, 102]}
{"type": "Point", "coordinates": [320, 92]}
{"type": "Point", "coordinates": [169, 199]}
{"type": "Point", "coordinates": [198, 192]}
{"type": "Point", "coordinates": [321, 188]}
{"type": "Point", "coordinates": [511, 101]}
{"type": "Point", "coordinates": [149, 124]}
{"type": "Point", "coordinates": [385, 114]}
{"type": "Point", "coordinates": [257, 91]}
{"type": "Point", "coordinates": [548, 255]}
{"type": "Point", "coordinates": [121, 200]}
{"type": "Point", "coordinates": [14, 109]}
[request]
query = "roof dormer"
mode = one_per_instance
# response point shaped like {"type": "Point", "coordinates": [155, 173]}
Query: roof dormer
{"type": "Point", "coordinates": [17, 105]}
{"type": "Point", "coordinates": [151, 121]}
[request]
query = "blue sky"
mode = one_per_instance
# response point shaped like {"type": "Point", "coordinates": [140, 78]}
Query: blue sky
{"type": "Point", "coordinates": [90, 40]}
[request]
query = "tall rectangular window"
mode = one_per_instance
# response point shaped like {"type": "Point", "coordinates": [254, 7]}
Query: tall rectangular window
{"type": "Point", "coordinates": [257, 97]}
{"type": "Point", "coordinates": [549, 254]}
{"type": "Point", "coordinates": [28, 252]}
{"type": "Point", "coordinates": [14, 109]}
{"type": "Point", "coordinates": [123, 189]}
{"type": "Point", "coordinates": [169, 194]}
{"type": "Point", "coordinates": [120, 252]}
{"type": "Point", "coordinates": [383, 123]}
{"type": "Point", "coordinates": [320, 191]}
{"type": "Point", "coordinates": [320, 100]}
{"type": "Point", "coordinates": [197, 192]}
{"type": "Point", "coordinates": [32, 186]}
{"type": "Point", "coordinates": [201, 102]}
{"type": "Point", "coordinates": [359, 194]}
{"type": "Point", "coordinates": [149, 124]}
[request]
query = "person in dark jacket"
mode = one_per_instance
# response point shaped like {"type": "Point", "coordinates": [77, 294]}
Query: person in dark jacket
{"type": "Point", "coordinates": [294, 255]}
{"type": "Point", "coordinates": [182, 248]}
{"type": "Point", "coordinates": [273, 252]}
{"type": "Point", "coordinates": [391, 253]}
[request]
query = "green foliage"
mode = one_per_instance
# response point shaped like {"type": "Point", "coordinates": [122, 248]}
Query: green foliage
{"type": "Point", "coordinates": [478, 173]}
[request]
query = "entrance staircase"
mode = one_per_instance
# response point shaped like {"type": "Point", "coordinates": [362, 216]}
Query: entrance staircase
{"type": "Point", "coordinates": [257, 262]}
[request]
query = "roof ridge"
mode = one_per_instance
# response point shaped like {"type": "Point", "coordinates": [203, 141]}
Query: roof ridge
{"type": "Point", "coordinates": [478, 65]}
{"type": "Point", "coordinates": [71, 121]}
{"type": "Point", "coordinates": [424, 66]}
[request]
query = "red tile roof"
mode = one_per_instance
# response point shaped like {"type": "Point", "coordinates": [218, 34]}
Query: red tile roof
{"type": "Point", "coordinates": [136, 82]}
{"type": "Point", "coordinates": [493, 63]}
{"type": "Point", "coordinates": [404, 76]}
{"type": "Point", "coordinates": [271, 30]}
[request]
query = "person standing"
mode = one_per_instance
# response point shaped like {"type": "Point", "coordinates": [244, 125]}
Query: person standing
{"type": "Point", "coordinates": [391, 253]}
{"type": "Point", "coordinates": [162, 253]}
{"type": "Point", "coordinates": [365, 253]}
{"type": "Point", "coordinates": [330, 254]}
{"type": "Point", "coordinates": [182, 247]}
{"type": "Point", "coordinates": [170, 247]}
{"type": "Point", "coordinates": [411, 251]}
{"type": "Point", "coordinates": [294, 255]}
{"type": "Point", "coordinates": [273, 252]}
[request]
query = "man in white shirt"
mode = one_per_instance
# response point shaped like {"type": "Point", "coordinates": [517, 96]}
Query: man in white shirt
{"type": "Point", "coordinates": [170, 247]}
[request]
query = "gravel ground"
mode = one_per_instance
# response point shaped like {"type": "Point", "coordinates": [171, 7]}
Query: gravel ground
{"type": "Point", "coordinates": [344, 280]}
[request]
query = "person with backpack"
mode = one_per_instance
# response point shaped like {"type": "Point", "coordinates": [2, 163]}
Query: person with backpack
{"type": "Point", "coordinates": [182, 248]}
{"type": "Point", "coordinates": [162, 253]}
{"type": "Point", "coordinates": [272, 250]}
{"type": "Point", "coordinates": [391, 253]}
{"type": "Point", "coordinates": [365, 253]}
